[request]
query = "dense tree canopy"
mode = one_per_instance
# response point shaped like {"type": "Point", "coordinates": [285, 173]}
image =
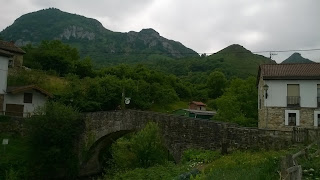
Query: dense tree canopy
{"type": "Point", "coordinates": [216, 84]}
{"type": "Point", "coordinates": [58, 57]}
{"type": "Point", "coordinates": [239, 103]}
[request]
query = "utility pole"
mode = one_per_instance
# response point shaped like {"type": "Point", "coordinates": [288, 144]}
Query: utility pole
{"type": "Point", "coordinates": [272, 54]}
{"type": "Point", "coordinates": [122, 99]}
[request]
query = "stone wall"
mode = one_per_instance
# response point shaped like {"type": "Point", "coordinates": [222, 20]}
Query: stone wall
{"type": "Point", "coordinates": [274, 118]}
{"type": "Point", "coordinates": [18, 60]}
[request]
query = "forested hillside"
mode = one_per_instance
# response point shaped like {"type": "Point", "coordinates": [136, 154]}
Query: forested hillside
{"type": "Point", "coordinates": [92, 39]}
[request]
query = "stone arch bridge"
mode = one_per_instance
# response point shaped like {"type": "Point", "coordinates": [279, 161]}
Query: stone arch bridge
{"type": "Point", "coordinates": [179, 133]}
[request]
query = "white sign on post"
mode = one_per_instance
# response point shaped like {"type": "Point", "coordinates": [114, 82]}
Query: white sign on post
{"type": "Point", "coordinates": [127, 100]}
{"type": "Point", "coordinates": [5, 141]}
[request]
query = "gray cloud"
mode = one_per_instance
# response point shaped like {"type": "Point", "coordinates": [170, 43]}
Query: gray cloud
{"type": "Point", "coordinates": [203, 25]}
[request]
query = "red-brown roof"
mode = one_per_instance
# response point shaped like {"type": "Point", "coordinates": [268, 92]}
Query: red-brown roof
{"type": "Point", "coordinates": [198, 103]}
{"type": "Point", "coordinates": [290, 71]}
{"type": "Point", "coordinates": [5, 53]}
{"type": "Point", "coordinates": [15, 90]}
{"type": "Point", "coordinates": [9, 46]}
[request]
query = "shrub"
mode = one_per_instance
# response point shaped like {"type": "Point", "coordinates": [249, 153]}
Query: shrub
{"type": "Point", "coordinates": [144, 149]}
{"type": "Point", "coordinates": [202, 156]}
{"type": "Point", "coordinates": [52, 135]}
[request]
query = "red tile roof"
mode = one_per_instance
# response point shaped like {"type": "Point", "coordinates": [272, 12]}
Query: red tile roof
{"type": "Point", "coordinates": [198, 103]}
{"type": "Point", "coordinates": [19, 89]}
{"type": "Point", "coordinates": [290, 71]}
{"type": "Point", "coordinates": [9, 46]}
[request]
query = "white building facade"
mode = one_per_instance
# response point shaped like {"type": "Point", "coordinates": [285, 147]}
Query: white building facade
{"type": "Point", "coordinates": [288, 96]}
{"type": "Point", "coordinates": [19, 101]}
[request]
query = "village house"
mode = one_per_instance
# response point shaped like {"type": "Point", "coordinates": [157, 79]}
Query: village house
{"type": "Point", "coordinates": [19, 101]}
{"type": "Point", "coordinates": [196, 110]}
{"type": "Point", "coordinates": [195, 105]}
{"type": "Point", "coordinates": [289, 96]}
{"type": "Point", "coordinates": [17, 59]}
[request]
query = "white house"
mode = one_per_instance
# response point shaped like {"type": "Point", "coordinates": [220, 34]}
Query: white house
{"type": "Point", "coordinates": [4, 62]}
{"type": "Point", "coordinates": [289, 96]}
{"type": "Point", "coordinates": [18, 101]}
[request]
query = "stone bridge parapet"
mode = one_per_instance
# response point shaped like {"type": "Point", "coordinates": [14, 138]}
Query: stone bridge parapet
{"type": "Point", "coordinates": [179, 133]}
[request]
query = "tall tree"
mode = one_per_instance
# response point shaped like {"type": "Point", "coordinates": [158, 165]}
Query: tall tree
{"type": "Point", "coordinates": [216, 84]}
{"type": "Point", "coordinates": [239, 103]}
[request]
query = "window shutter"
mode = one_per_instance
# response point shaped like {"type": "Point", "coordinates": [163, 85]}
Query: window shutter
{"type": "Point", "coordinates": [316, 118]}
{"type": "Point", "coordinates": [286, 119]}
{"type": "Point", "coordinates": [293, 90]}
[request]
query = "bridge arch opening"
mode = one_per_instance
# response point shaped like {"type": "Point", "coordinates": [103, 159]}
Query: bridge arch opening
{"type": "Point", "coordinates": [100, 151]}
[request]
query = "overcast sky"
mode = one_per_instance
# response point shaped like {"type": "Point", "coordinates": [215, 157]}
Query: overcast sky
{"type": "Point", "coordinates": [205, 26]}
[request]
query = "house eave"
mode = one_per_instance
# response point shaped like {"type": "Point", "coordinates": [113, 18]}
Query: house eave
{"type": "Point", "coordinates": [291, 78]}
{"type": "Point", "coordinates": [16, 90]}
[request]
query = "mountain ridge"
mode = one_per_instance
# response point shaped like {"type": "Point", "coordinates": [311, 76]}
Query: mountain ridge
{"type": "Point", "coordinates": [90, 37]}
{"type": "Point", "coordinates": [296, 58]}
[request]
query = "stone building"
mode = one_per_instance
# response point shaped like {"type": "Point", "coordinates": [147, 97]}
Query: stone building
{"type": "Point", "coordinates": [17, 59]}
{"type": "Point", "coordinates": [289, 96]}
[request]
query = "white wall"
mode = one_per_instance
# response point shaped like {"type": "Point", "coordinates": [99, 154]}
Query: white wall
{"type": "Point", "coordinates": [3, 73]}
{"type": "Point", "coordinates": [277, 92]}
{"type": "Point", "coordinates": [38, 100]}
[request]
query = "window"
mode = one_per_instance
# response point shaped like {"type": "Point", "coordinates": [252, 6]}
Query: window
{"type": "Point", "coordinates": [292, 119]}
{"type": "Point", "coordinates": [293, 95]}
{"type": "Point", "coordinates": [318, 120]}
{"type": "Point", "coordinates": [11, 63]}
{"type": "Point", "coordinates": [318, 95]}
{"type": "Point", "coordinates": [27, 98]}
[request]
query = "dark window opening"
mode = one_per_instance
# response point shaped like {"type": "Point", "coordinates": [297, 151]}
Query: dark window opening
{"type": "Point", "coordinates": [27, 98]}
{"type": "Point", "coordinates": [318, 120]}
{"type": "Point", "coordinates": [292, 117]}
{"type": "Point", "coordinates": [11, 63]}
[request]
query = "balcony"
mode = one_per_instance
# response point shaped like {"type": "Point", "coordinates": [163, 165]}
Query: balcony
{"type": "Point", "coordinates": [318, 101]}
{"type": "Point", "coordinates": [293, 101]}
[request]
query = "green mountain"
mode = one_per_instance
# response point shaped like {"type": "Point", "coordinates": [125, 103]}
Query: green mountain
{"type": "Point", "coordinates": [296, 58]}
{"type": "Point", "coordinates": [240, 60]}
{"type": "Point", "coordinates": [233, 61]}
{"type": "Point", "coordinates": [92, 39]}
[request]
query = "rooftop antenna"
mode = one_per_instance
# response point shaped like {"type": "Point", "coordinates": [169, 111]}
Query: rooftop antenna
{"type": "Point", "coordinates": [272, 54]}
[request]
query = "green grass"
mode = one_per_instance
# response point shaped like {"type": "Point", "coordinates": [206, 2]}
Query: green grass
{"type": "Point", "coordinates": [244, 165]}
{"type": "Point", "coordinates": [14, 157]}
{"type": "Point", "coordinates": [16, 149]}
{"type": "Point", "coordinates": [158, 172]}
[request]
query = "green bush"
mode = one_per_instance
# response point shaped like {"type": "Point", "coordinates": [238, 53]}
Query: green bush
{"type": "Point", "coordinates": [53, 134]}
{"type": "Point", "coordinates": [200, 156]}
{"type": "Point", "coordinates": [4, 118]}
{"type": "Point", "coordinates": [144, 149]}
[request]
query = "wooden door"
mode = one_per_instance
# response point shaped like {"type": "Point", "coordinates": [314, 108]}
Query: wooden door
{"type": "Point", "coordinates": [14, 110]}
